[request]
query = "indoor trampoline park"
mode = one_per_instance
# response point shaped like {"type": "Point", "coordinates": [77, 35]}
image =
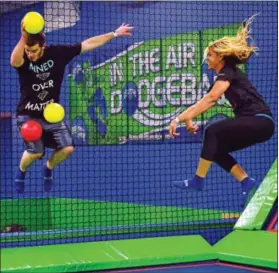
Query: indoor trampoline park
{"type": "Point", "coordinates": [139, 136]}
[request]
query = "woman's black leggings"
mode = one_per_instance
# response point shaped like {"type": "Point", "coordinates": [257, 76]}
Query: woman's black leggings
{"type": "Point", "coordinates": [223, 137]}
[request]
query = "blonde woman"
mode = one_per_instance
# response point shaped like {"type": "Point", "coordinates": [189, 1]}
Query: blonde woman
{"type": "Point", "coordinates": [252, 124]}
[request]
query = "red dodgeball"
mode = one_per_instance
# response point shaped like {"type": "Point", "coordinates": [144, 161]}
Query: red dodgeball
{"type": "Point", "coordinates": [31, 131]}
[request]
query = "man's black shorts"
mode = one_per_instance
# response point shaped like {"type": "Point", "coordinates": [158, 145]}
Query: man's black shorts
{"type": "Point", "coordinates": [55, 136]}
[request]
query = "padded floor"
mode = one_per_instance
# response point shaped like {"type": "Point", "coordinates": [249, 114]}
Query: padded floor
{"type": "Point", "coordinates": [255, 248]}
{"type": "Point", "coordinates": [196, 268]}
{"type": "Point", "coordinates": [107, 255]}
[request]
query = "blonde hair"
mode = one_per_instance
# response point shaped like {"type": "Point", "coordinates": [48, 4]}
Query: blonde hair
{"type": "Point", "coordinates": [235, 49]}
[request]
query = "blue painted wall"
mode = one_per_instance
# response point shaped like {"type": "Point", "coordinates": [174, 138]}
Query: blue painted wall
{"type": "Point", "coordinates": [143, 173]}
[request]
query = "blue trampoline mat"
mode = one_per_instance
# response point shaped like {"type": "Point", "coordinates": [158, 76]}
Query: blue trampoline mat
{"type": "Point", "coordinates": [216, 267]}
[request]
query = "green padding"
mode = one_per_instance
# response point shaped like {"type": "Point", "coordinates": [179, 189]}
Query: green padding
{"type": "Point", "coordinates": [258, 248]}
{"type": "Point", "coordinates": [258, 209]}
{"type": "Point", "coordinates": [107, 255]}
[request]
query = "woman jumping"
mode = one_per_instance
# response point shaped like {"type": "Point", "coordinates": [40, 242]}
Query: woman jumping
{"type": "Point", "coordinates": [252, 124]}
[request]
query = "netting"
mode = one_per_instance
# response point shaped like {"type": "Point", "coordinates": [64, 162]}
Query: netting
{"type": "Point", "coordinates": [119, 100]}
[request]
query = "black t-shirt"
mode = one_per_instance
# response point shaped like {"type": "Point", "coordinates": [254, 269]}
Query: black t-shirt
{"type": "Point", "coordinates": [241, 94]}
{"type": "Point", "coordinates": [40, 81]}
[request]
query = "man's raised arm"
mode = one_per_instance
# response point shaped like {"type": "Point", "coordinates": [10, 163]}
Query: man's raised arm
{"type": "Point", "coordinates": [16, 59]}
{"type": "Point", "coordinates": [97, 41]}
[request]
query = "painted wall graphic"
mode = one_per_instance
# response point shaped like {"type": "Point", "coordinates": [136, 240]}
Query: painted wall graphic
{"type": "Point", "coordinates": [133, 96]}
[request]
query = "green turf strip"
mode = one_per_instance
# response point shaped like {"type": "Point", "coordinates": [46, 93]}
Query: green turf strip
{"type": "Point", "coordinates": [257, 248]}
{"type": "Point", "coordinates": [107, 255]}
{"type": "Point", "coordinates": [63, 218]}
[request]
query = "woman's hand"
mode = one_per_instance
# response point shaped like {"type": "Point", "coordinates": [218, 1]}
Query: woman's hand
{"type": "Point", "coordinates": [191, 127]}
{"type": "Point", "coordinates": [172, 129]}
{"type": "Point", "coordinates": [124, 30]}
